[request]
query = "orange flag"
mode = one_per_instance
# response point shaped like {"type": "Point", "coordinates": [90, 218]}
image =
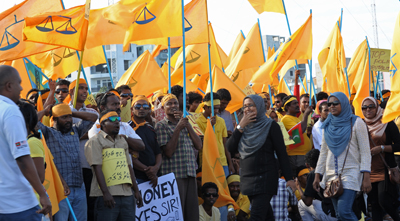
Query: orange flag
{"type": "Point", "coordinates": [144, 76]}
{"type": "Point", "coordinates": [268, 6]}
{"type": "Point", "coordinates": [363, 86]}
{"type": "Point", "coordinates": [12, 45]}
{"type": "Point", "coordinates": [66, 28]}
{"type": "Point", "coordinates": [52, 182]}
{"type": "Point", "coordinates": [221, 80]}
{"type": "Point", "coordinates": [356, 65]}
{"type": "Point", "coordinates": [250, 55]}
{"type": "Point", "coordinates": [39, 103]}
{"type": "Point", "coordinates": [271, 51]}
{"type": "Point", "coordinates": [393, 106]}
{"type": "Point", "coordinates": [283, 88]}
{"type": "Point", "coordinates": [196, 31]}
{"type": "Point", "coordinates": [212, 168]}
{"type": "Point", "coordinates": [235, 48]}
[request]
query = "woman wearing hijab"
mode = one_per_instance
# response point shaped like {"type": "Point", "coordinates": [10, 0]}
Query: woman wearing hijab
{"type": "Point", "coordinates": [385, 140]}
{"type": "Point", "coordinates": [256, 138]}
{"type": "Point", "coordinates": [271, 113]}
{"type": "Point", "coordinates": [344, 132]}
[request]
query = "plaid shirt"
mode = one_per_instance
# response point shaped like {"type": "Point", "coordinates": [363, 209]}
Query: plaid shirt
{"type": "Point", "coordinates": [65, 150]}
{"type": "Point", "coordinates": [182, 163]}
{"type": "Point", "coordinates": [279, 202]}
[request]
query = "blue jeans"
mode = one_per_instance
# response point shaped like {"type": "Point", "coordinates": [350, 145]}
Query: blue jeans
{"type": "Point", "coordinates": [226, 171]}
{"type": "Point", "coordinates": [224, 213]}
{"type": "Point", "coordinates": [344, 205]}
{"type": "Point", "coordinates": [29, 214]}
{"type": "Point", "coordinates": [139, 181]}
{"type": "Point", "coordinates": [77, 198]}
{"type": "Point", "coordinates": [124, 209]}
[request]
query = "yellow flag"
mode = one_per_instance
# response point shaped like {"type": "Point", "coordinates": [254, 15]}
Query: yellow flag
{"type": "Point", "coordinates": [222, 55]}
{"type": "Point", "coordinates": [93, 57]}
{"type": "Point", "coordinates": [66, 28]}
{"type": "Point", "coordinates": [212, 168]}
{"type": "Point", "coordinates": [243, 77]}
{"type": "Point", "coordinates": [156, 51]}
{"type": "Point", "coordinates": [271, 51]}
{"type": "Point", "coordinates": [102, 31]}
{"type": "Point", "coordinates": [250, 55]}
{"type": "Point", "coordinates": [393, 106]}
{"type": "Point", "coordinates": [268, 6]}
{"type": "Point", "coordinates": [39, 103]}
{"type": "Point", "coordinates": [298, 46]}
{"type": "Point", "coordinates": [197, 59]}
{"type": "Point", "coordinates": [283, 88]}
{"type": "Point", "coordinates": [155, 19]}
{"type": "Point", "coordinates": [144, 76]}
{"type": "Point", "coordinates": [196, 31]}
{"type": "Point", "coordinates": [235, 48]}
{"type": "Point", "coordinates": [52, 182]}
{"type": "Point", "coordinates": [202, 82]}
{"type": "Point", "coordinates": [164, 70]}
{"type": "Point", "coordinates": [362, 89]}
{"type": "Point", "coordinates": [12, 45]}
{"type": "Point", "coordinates": [332, 61]}
{"type": "Point", "coordinates": [221, 80]}
{"type": "Point", "coordinates": [356, 66]}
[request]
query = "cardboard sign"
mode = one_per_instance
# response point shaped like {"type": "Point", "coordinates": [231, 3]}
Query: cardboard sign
{"type": "Point", "coordinates": [248, 90]}
{"type": "Point", "coordinates": [126, 112]}
{"type": "Point", "coordinates": [115, 168]}
{"type": "Point", "coordinates": [161, 202]}
{"type": "Point", "coordinates": [90, 100]}
{"type": "Point", "coordinates": [192, 120]}
{"type": "Point", "coordinates": [285, 134]}
{"type": "Point", "coordinates": [380, 59]}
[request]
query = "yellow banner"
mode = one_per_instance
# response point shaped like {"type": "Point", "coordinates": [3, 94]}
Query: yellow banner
{"type": "Point", "coordinates": [192, 120]}
{"type": "Point", "coordinates": [285, 134]}
{"type": "Point", "coordinates": [126, 112]}
{"type": "Point", "coordinates": [248, 90]}
{"type": "Point", "coordinates": [90, 100]}
{"type": "Point", "coordinates": [380, 59]}
{"type": "Point", "coordinates": [115, 168]}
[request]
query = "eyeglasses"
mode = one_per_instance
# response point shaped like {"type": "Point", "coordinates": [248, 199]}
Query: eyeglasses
{"type": "Point", "coordinates": [371, 106]}
{"type": "Point", "coordinates": [126, 95]}
{"type": "Point", "coordinates": [335, 103]}
{"type": "Point", "coordinates": [211, 194]}
{"type": "Point", "coordinates": [145, 106]}
{"type": "Point", "coordinates": [114, 119]}
{"type": "Point", "coordinates": [62, 90]}
{"type": "Point", "coordinates": [277, 102]}
{"type": "Point", "coordinates": [250, 106]}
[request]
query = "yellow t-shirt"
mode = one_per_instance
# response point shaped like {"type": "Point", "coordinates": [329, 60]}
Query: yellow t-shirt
{"type": "Point", "coordinates": [397, 122]}
{"type": "Point", "coordinates": [289, 122]}
{"type": "Point", "coordinates": [244, 204]}
{"type": "Point", "coordinates": [220, 132]}
{"type": "Point", "coordinates": [46, 121]}
{"type": "Point", "coordinates": [297, 193]}
{"type": "Point", "coordinates": [203, 216]}
{"type": "Point", "coordinates": [280, 116]}
{"type": "Point", "coordinates": [37, 150]}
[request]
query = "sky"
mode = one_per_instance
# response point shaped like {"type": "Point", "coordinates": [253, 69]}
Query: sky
{"type": "Point", "coordinates": [228, 17]}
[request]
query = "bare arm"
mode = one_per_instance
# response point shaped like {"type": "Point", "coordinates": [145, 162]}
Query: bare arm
{"type": "Point", "coordinates": [107, 197]}
{"type": "Point", "coordinates": [135, 144]}
{"type": "Point", "coordinates": [27, 167]}
{"type": "Point", "coordinates": [135, 188]}
{"type": "Point", "coordinates": [305, 119]}
{"type": "Point", "coordinates": [50, 99]}
{"type": "Point", "coordinates": [85, 115]}
{"type": "Point", "coordinates": [170, 147]}
{"type": "Point", "coordinates": [195, 138]}
{"type": "Point", "coordinates": [228, 157]}
{"type": "Point", "coordinates": [39, 164]}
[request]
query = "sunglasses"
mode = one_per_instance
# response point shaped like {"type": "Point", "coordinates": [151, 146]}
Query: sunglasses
{"type": "Point", "coordinates": [211, 194]}
{"type": "Point", "coordinates": [63, 90]}
{"type": "Point", "coordinates": [114, 119]}
{"type": "Point", "coordinates": [335, 103]}
{"type": "Point", "coordinates": [145, 106]}
{"type": "Point", "coordinates": [371, 106]}
{"type": "Point", "coordinates": [126, 95]}
{"type": "Point", "coordinates": [277, 102]}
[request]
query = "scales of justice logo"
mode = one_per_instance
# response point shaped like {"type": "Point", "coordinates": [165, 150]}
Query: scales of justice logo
{"type": "Point", "coordinates": [9, 41]}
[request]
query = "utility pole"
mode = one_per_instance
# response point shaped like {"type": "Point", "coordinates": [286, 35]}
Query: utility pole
{"type": "Point", "coordinates": [375, 24]}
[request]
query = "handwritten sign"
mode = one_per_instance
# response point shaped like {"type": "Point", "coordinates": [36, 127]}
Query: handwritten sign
{"type": "Point", "coordinates": [248, 90]}
{"type": "Point", "coordinates": [90, 100]}
{"type": "Point", "coordinates": [192, 120]}
{"type": "Point", "coordinates": [285, 134]}
{"type": "Point", "coordinates": [115, 167]}
{"type": "Point", "coordinates": [161, 202]}
{"type": "Point", "coordinates": [380, 59]}
{"type": "Point", "coordinates": [126, 112]}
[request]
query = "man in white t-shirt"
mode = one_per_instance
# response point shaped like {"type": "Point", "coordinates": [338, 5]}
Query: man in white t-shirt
{"type": "Point", "coordinates": [17, 174]}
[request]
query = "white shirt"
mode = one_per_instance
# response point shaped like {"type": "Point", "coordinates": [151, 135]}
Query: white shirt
{"type": "Point", "coordinates": [124, 129]}
{"type": "Point", "coordinates": [84, 163]}
{"type": "Point", "coordinates": [16, 194]}
{"type": "Point", "coordinates": [317, 135]}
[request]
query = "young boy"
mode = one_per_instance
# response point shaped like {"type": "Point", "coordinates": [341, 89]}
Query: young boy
{"type": "Point", "coordinates": [116, 199]}
{"type": "Point", "coordinates": [207, 210]}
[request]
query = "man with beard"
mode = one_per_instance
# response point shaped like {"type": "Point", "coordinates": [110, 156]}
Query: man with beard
{"type": "Point", "coordinates": [114, 202]}
{"type": "Point", "coordinates": [63, 142]}
{"type": "Point", "coordinates": [296, 155]}
{"type": "Point", "coordinates": [148, 164]}
{"type": "Point", "coordinates": [243, 213]}
{"type": "Point", "coordinates": [207, 210]}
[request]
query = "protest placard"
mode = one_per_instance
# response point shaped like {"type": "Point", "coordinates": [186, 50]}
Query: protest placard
{"type": "Point", "coordinates": [380, 59]}
{"type": "Point", "coordinates": [115, 168]}
{"type": "Point", "coordinates": [161, 202]}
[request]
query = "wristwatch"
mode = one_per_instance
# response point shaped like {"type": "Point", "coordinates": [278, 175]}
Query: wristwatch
{"type": "Point", "coordinates": [239, 127]}
{"type": "Point", "coordinates": [383, 148]}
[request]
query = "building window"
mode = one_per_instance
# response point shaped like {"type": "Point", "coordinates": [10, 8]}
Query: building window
{"type": "Point", "coordinates": [275, 38]}
{"type": "Point", "coordinates": [107, 47]}
{"type": "Point", "coordinates": [126, 64]}
{"type": "Point", "coordinates": [130, 48]}
{"type": "Point", "coordinates": [139, 50]}
{"type": "Point", "coordinates": [282, 39]}
{"type": "Point", "coordinates": [291, 73]}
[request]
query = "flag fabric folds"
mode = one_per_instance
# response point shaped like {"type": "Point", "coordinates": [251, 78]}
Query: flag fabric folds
{"type": "Point", "coordinates": [268, 6]}
{"type": "Point", "coordinates": [298, 46]}
{"type": "Point", "coordinates": [221, 80]}
{"type": "Point", "coordinates": [332, 61]}
{"type": "Point", "coordinates": [12, 45]}
{"type": "Point", "coordinates": [212, 168]}
{"type": "Point", "coordinates": [235, 48]}
{"type": "Point", "coordinates": [356, 66]}
{"type": "Point", "coordinates": [144, 76]}
{"type": "Point", "coordinates": [362, 79]}
{"type": "Point", "coordinates": [66, 28]}
{"type": "Point", "coordinates": [393, 106]}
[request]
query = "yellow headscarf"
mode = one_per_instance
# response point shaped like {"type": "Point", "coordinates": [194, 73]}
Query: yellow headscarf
{"type": "Point", "coordinates": [61, 110]}
{"type": "Point", "coordinates": [45, 95]}
{"type": "Point", "coordinates": [303, 171]}
{"type": "Point", "coordinates": [386, 95]}
{"type": "Point", "coordinates": [167, 97]}
{"type": "Point", "coordinates": [288, 101]}
{"type": "Point", "coordinates": [73, 84]}
{"type": "Point", "coordinates": [139, 98]}
{"type": "Point", "coordinates": [233, 178]}
{"type": "Point", "coordinates": [107, 115]}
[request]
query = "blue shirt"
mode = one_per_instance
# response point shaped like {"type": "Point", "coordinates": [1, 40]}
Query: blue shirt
{"type": "Point", "coordinates": [65, 150]}
{"type": "Point", "coordinates": [228, 120]}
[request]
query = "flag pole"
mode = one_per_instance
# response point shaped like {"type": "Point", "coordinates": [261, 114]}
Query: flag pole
{"type": "Point", "coordinates": [169, 65]}
{"type": "Point", "coordinates": [36, 67]}
{"type": "Point", "coordinates": [302, 83]}
{"type": "Point", "coordinates": [83, 71]}
{"type": "Point", "coordinates": [265, 59]}
{"type": "Point", "coordinates": [210, 73]}
{"type": "Point", "coordinates": [184, 58]}
{"type": "Point", "coordinates": [77, 79]}
{"type": "Point", "coordinates": [291, 93]}
{"type": "Point", "coordinates": [345, 69]}
{"type": "Point", "coordinates": [369, 65]}
{"type": "Point", "coordinates": [373, 83]}
{"type": "Point", "coordinates": [108, 66]}
{"type": "Point", "coordinates": [243, 34]}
